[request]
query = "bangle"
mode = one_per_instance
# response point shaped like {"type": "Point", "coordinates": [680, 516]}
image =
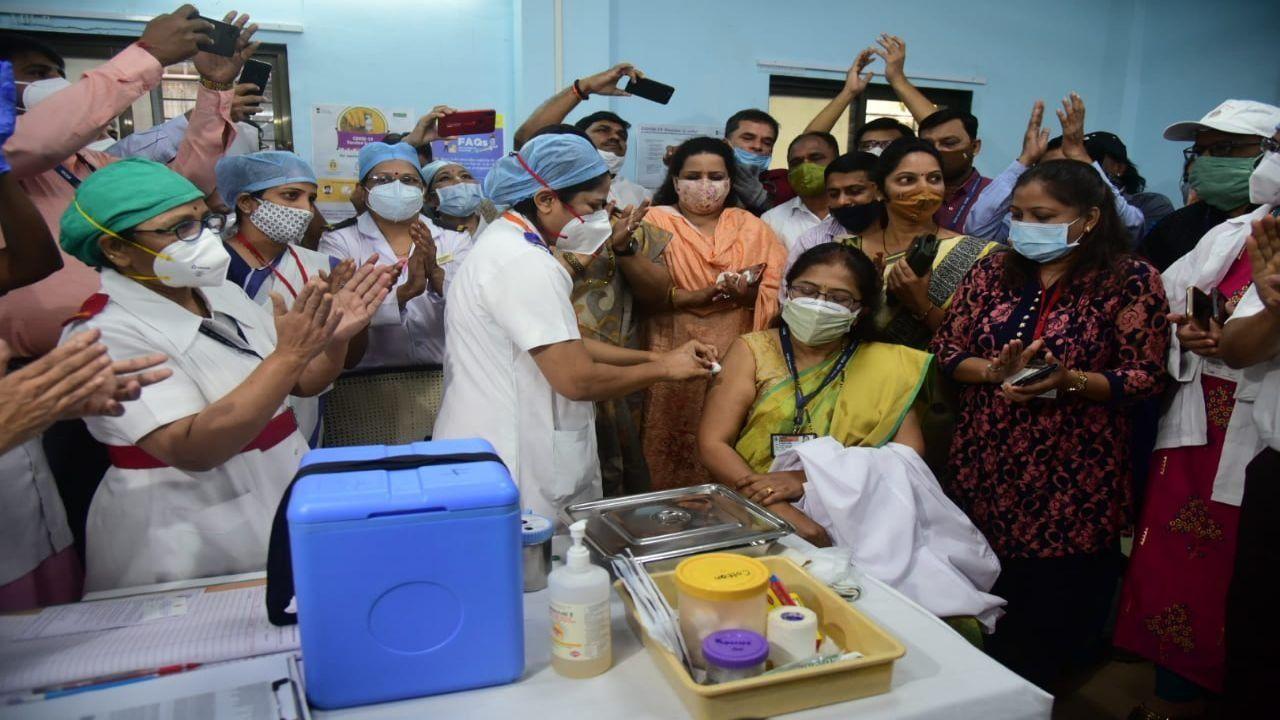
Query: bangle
{"type": "Point", "coordinates": [577, 90]}
{"type": "Point", "coordinates": [671, 297]}
{"type": "Point", "coordinates": [218, 86]}
{"type": "Point", "coordinates": [1078, 381]}
{"type": "Point", "coordinates": [578, 268]}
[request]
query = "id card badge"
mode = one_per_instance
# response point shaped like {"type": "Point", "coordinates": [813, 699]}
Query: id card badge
{"type": "Point", "coordinates": [783, 443]}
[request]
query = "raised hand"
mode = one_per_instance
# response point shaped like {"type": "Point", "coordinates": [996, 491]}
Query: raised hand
{"type": "Point", "coordinates": [1071, 117]}
{"type": "Point", "coordinates": [855, 81]}
{"type": "Point", "coordinates": [303, 330]}
{"type": "Point", "coordinates": [625, 223]}
{"type": "Point", "coordinates": [894, 52]}
{"type": "Point", "coordinates": [219, 69]}
{"type": "Point", "coordinates": [176, 36]}
{"type": "Point", "coordinates": [1035, 142]}
{"type": "Point", "coordinates": [1264, 258]}
{"type": "Point", "coordinates": [427, 128]}
{"type": "Point", "coordinates": [606, 82]}
{"type": "Point", "coordinates": [245, 101]}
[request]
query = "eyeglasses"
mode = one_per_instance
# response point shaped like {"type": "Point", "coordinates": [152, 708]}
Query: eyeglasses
{"type": "Point", "coordinates": [809, 290]}
{"type": "Point", "coordinates": [412, 181]}
{"type": "Point", "coordinates": [1270, 145]}
{"type": "Point", "coordinates": [1221, 149]}
{"type": "Point", "coordinates": [189, 230]}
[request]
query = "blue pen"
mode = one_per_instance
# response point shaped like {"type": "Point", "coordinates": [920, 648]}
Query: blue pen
{"type": "Point", "coordinates": [91, 688]}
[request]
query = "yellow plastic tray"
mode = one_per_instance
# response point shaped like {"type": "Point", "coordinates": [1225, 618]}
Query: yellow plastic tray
{"type": "Point", "coordinates": [796, 689]}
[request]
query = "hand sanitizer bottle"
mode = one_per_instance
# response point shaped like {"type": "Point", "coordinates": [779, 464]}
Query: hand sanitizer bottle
{"type": "Point", "coordinates": [581, 643]}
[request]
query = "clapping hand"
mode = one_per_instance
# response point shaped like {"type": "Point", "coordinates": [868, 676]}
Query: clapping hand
{"type": "Point", "coordinates": [625, 222]}
{"type": "Point", "coordinates": [122, 382]}
{"type": "Point", "coordinates": [855, 81]}
{"type": "Point", "coordinates": [219, 69]}
{"type": "Point", "coordinates": [306, 328]}
{"type": "Point", "coordinates": [1013, 357]}
{"type": "Point", "coordinates": [359, 298]}
{"type": "Point", "coordinates": [1035, 142]}
{"type": "Point", "coordinates": [894, 52]}
{"type": "Point", "coordinates": [1264, 258]}
{"type": "Point", "coordinates": [1071, 117]}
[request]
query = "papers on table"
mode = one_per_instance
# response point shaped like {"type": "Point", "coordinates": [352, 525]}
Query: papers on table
{"type": "Point", "coordinates": [88, 617]}
{"type": "Point", "coordinates": [219, 625]}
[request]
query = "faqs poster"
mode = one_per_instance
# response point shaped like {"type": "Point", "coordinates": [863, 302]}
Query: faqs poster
{"type": "Point", "coordinates": [476, 153]}
{"type": "Point", "coordinates": [337, 134]}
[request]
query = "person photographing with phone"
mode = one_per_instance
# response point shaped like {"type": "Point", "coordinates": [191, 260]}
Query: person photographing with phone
{"type": "Point", "coordinates": [726, 269]}
{"type": "Point", "coordinates": [1043, 468]}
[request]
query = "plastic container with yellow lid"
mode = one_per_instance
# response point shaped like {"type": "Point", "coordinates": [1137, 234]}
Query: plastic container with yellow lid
{"type": "Point", "coordinates": [720, 591]}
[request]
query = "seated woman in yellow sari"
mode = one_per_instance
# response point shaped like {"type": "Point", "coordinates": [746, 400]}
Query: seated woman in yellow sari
{"type": "Point", "coordinates": [853, 389]}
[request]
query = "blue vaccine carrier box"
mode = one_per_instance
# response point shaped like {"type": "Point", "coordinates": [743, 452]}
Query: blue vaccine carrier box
{"type": "Point", "coordinates": [409, 581]}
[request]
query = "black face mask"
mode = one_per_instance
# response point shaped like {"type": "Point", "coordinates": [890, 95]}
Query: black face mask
{"type": "Point", "coordinates": [856, 218]}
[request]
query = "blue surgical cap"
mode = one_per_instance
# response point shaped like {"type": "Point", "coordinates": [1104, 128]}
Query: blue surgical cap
{"type": "Point", "coordinates": [260, 171]}
{"type": "Point", "coordinates": [560, 160]}
{"type": "Point", "coordinates": [376, 153]}
{"type": "Point", "coordinates": [430, 169]}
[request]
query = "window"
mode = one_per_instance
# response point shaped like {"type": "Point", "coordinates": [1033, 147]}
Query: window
{"type": "Point", "coordinates": [176, 92]}
{"type": "Point", "coordinates": [794, 101]}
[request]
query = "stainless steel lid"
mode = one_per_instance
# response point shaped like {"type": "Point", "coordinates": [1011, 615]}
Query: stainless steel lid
{"type": "Point", "coordinates": [673, 523]}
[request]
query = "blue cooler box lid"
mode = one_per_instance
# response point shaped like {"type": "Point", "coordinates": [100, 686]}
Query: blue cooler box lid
{"type": "Point", "coordinates": [361, 494]}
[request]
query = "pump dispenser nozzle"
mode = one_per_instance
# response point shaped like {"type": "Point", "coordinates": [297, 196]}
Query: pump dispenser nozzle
{"type": "Point", "coordinates": [578, 556]}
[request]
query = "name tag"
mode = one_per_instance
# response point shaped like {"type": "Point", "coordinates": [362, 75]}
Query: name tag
{"type": "Point", "coordinates": [444, 259]}
{"type": "Point", "coordinates": [783, 443]}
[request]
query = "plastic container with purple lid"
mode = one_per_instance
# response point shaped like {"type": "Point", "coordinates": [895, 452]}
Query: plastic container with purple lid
{"type": "Point", "coordinates": [734, 655]}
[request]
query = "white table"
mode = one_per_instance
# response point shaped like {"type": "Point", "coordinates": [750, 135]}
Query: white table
{"type": "Point", "coordinates": [942, 677]}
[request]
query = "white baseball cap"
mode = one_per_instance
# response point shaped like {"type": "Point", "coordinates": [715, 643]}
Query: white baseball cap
{"type": "Point", "coordinates": [1242, 117]}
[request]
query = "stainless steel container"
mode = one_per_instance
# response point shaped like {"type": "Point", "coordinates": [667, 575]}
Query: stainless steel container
{"type": "Point", "coordinates": [662, 526]}
{"type": "Point", "coordinates": [535, 535]}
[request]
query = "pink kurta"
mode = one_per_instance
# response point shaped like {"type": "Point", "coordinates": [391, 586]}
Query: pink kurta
{"type": "Point", "coordinates": [55, 133]}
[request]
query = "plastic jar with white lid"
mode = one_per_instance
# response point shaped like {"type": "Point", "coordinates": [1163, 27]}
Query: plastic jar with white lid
{"type": "Point", "coordinates": [720, 591]}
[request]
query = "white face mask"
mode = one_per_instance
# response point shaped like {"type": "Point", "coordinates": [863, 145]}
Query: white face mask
{"type": "Point", "coordinates": [202, 262]}
{"type": "Point", "coordinates": [37, 92]}
{"type": "Point", "coordinates": [612, 161]}
{"type": "Point", "coordinates": [584, 236]}
{"type": "Point", "coordinates": [395, 201]}
{"type": "Point", "coordinates": [1264, 183]}
{"type": "Point", "coordinates": [875, 150]}
{"type": "Point", "coordinates": [817, 322]}
{"type": "Point", "coordinates": [281, 223]}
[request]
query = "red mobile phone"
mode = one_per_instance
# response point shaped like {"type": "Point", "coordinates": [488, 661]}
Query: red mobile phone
{"type": "Point", "coordinates": [467, 122]}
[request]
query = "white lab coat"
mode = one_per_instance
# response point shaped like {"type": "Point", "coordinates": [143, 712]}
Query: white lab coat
{"type": "Point", "coordinates": [1258, 394]}
{"type": "Point", "coordinates": [298, 265]}
{"type": "Point", "coordinates": [1184, 423]}
{"type": "Point", "coordinates": [510, 297]}
{"type": "Point", "coordinates": [885, 505]}
{"type": "Point", "coordinates": [156, 525]}
{"type": "Point", "coordinates": [415, 336]}
{"type": "Point", "coordinates": [33, 523]}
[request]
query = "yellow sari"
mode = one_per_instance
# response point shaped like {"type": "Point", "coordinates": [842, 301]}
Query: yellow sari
{"type": "Point", "coordinates": [863, 407]}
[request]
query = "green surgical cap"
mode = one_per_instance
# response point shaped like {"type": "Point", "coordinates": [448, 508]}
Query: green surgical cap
{"type": "Point", "coordinates": [118, 197]}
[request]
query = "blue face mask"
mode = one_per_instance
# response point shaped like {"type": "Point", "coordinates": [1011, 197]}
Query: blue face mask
{"type": "Point", "coordinates": [1041, 242]}
{"type": "Point", "coordinates": [758, 163]}
{"type": "Point", "coordinates": [459, 200]}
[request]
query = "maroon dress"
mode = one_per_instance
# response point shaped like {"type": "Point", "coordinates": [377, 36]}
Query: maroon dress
{"type": "Point", "coordinates": [1051, 477]}
{"type": "Point", "coordinates": [1173, 606]}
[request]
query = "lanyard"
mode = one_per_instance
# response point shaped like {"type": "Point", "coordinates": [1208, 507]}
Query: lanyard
{"type": "Point", "coordinates": [1048, 306]}
{"type": "Point", "coordinates": [272, 266]}
{"type": "Point", "coordinates": [788, 354]}
{"type": "Point", "coordinates": [530, 235]}
{"type": "Point", "coordinates": [215, 336]}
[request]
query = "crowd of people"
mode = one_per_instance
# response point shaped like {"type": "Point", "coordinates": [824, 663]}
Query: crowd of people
{"type": "Point", "coordinates": [1048, 360]}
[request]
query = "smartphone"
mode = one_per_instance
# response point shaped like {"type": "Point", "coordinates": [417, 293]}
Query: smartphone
{"type": "Point", "coordinates": [225, 37]}
{"type": "Point", "coordinates": [1034, 377]}
{"type": "Point", "coordinates": [650, 90]}
{"type": "Point", "coordinates": [1220, 301]}
{"type": "Point", "coordinates": [257, 73]}
{"type": "Point", "coordinates": [924, 250]}
{"type": "Point", "coordinates": [1199, 307]}
{"type": "Point", "coordinates": [467, 122]}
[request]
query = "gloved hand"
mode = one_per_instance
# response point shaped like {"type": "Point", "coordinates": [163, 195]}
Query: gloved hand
{"type": "Point", "coordinates": [8, 100]}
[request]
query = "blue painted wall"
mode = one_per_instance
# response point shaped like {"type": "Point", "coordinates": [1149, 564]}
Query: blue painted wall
{"type": "Point", "coordinates": [1140, 64]}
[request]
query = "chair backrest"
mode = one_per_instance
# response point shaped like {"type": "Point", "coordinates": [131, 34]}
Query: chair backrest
{"type": "Point", "coordinates": [384, 406]}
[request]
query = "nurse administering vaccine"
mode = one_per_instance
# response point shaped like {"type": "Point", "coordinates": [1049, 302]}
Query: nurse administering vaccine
{"type": "Point", "coordinates": [198, 464]}
{"type": "Point", "coordinates": [517, 371]}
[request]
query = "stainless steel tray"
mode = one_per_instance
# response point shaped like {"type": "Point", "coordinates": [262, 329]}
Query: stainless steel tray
{"type": "Point", "coordinates": [675, 523]}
